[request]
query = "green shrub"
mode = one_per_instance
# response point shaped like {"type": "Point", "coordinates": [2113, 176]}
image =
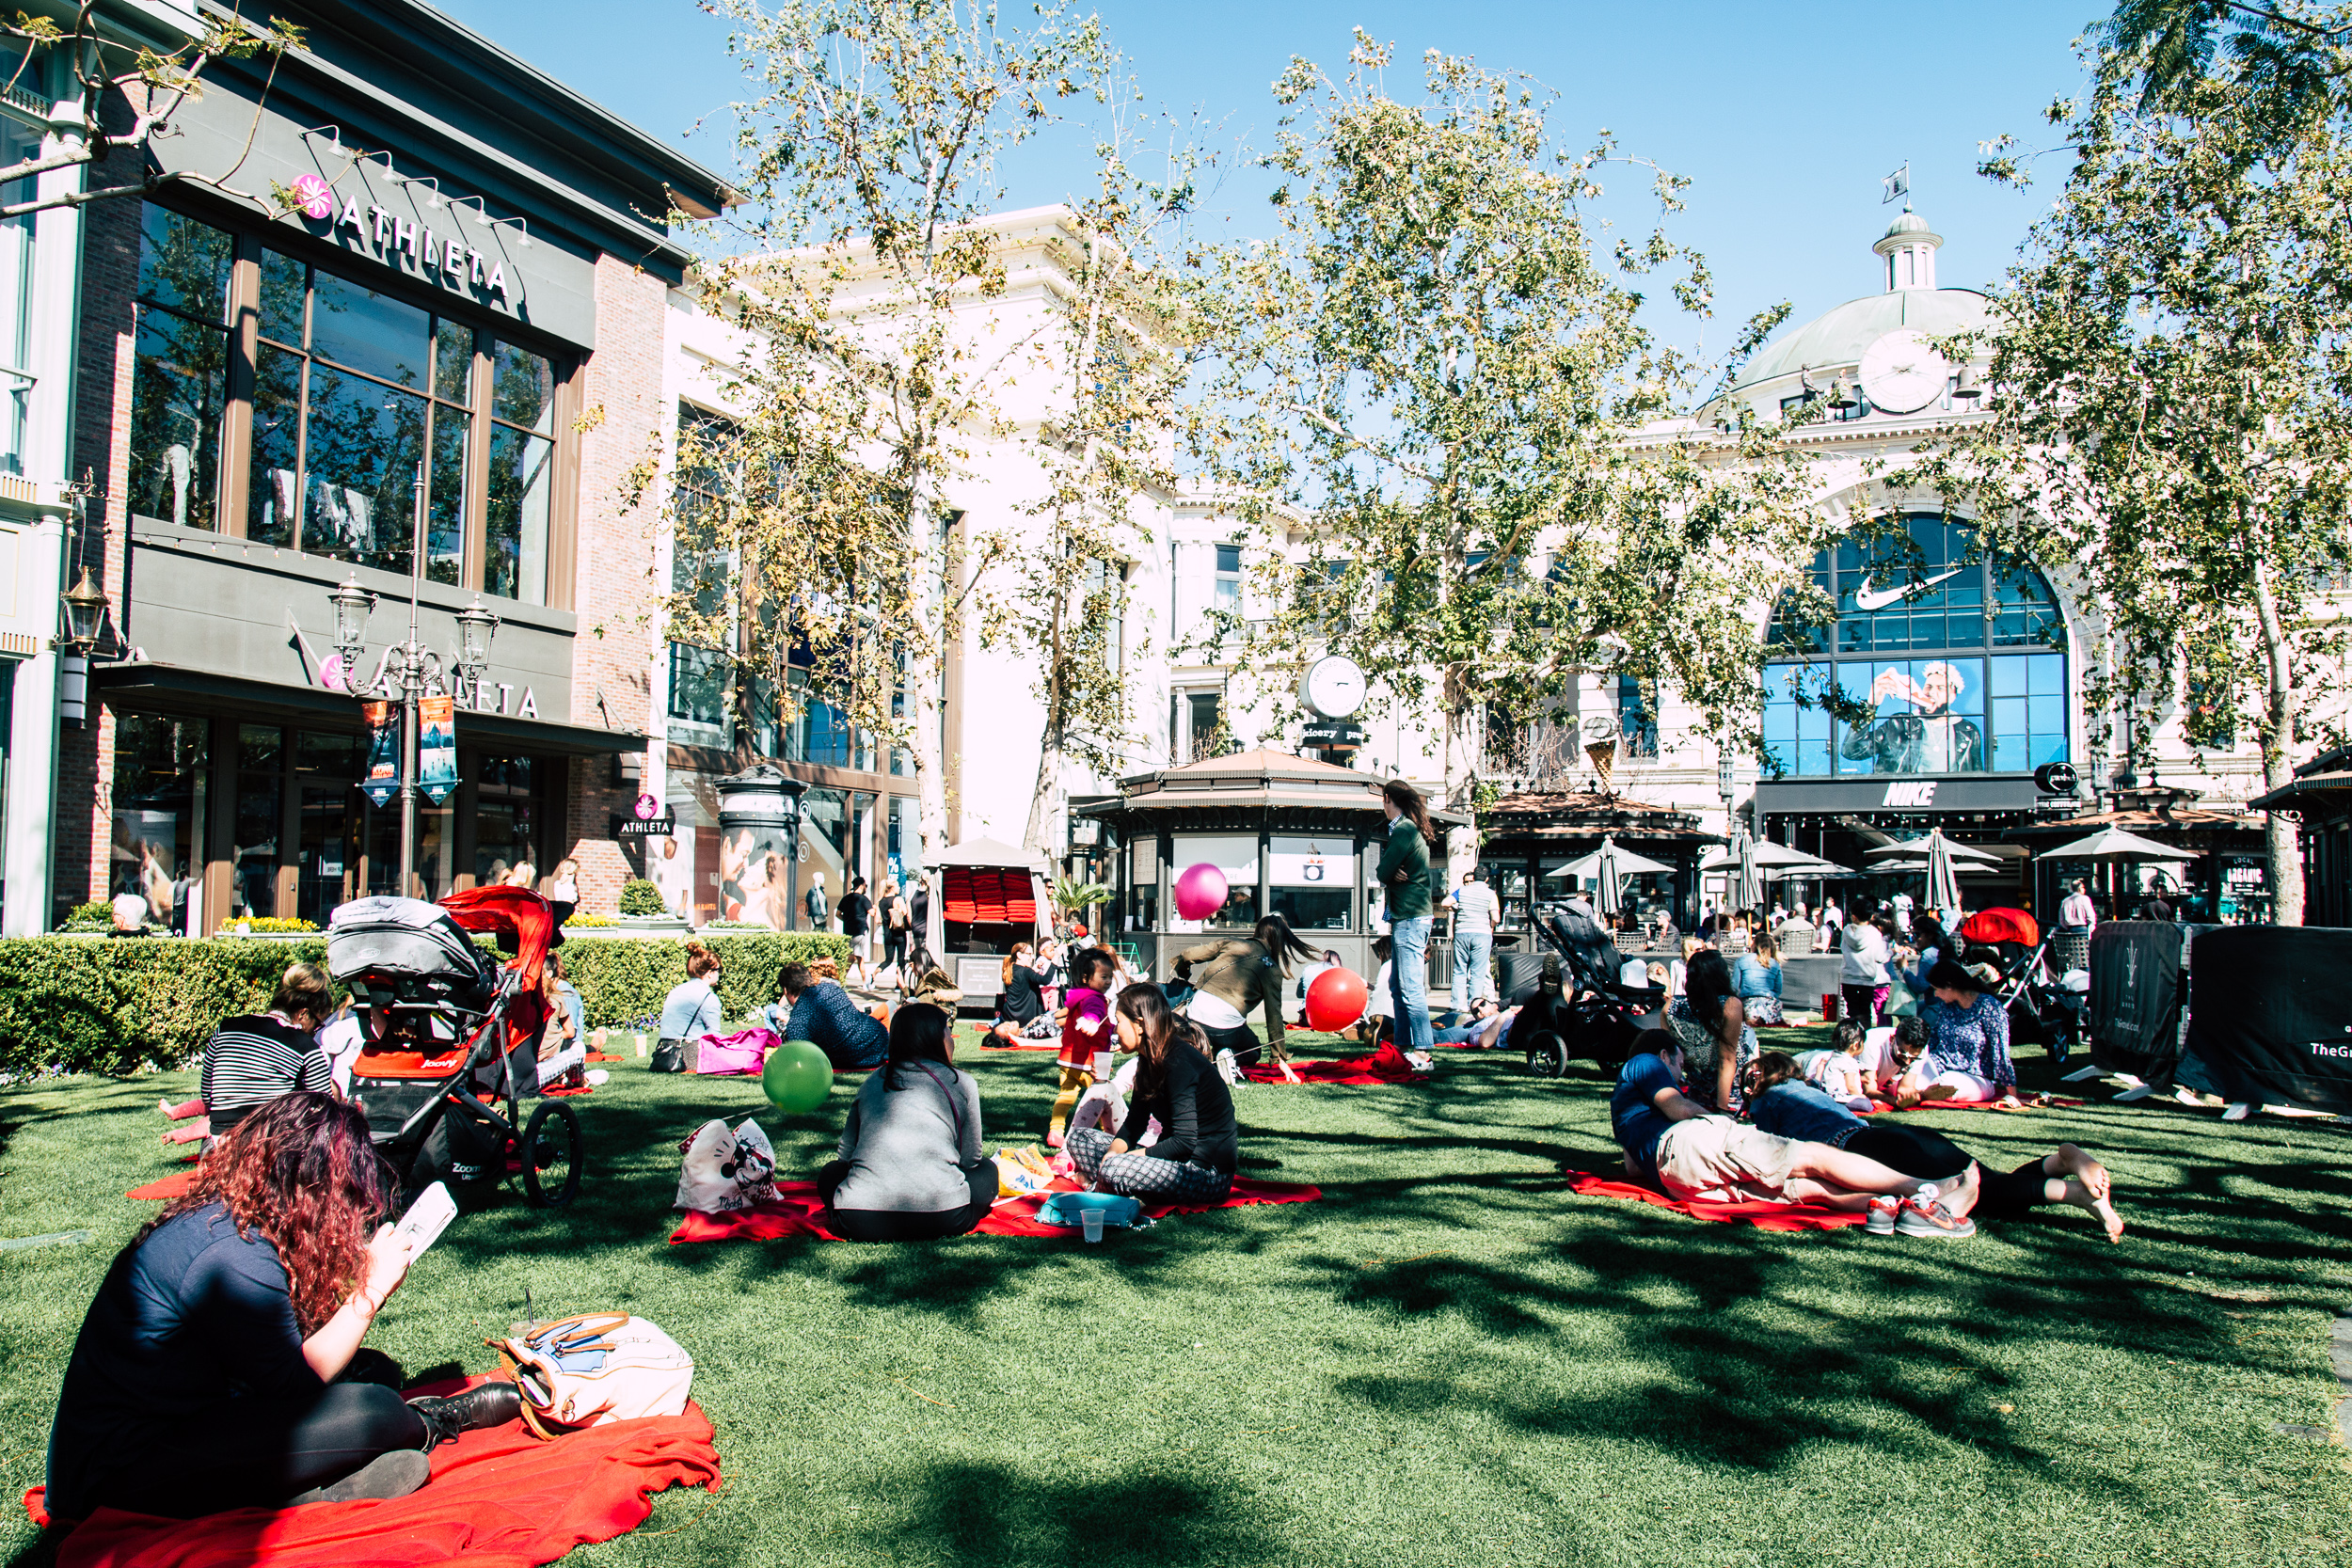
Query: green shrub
{"type": "Point", "coordinates": [268, 925]}
{"type": "Point", "coordinates": [98, 910]}
{"type": "Point", "coordinates": [86, 1006]}
{"type": "Point", "coordinates": [624, 982]}
{"type": "Point", "coordinates": [588, 921]}
{"type": "Point", "coordinates": [96, 1005]}
{"type": "Point", "coordinates": [640, 896]}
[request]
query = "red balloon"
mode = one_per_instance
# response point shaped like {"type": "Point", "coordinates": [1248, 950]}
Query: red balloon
{"type": "Point", "coordinates": [1335, 998]}
{"type": "Point", "coordinates": [1200, 891]}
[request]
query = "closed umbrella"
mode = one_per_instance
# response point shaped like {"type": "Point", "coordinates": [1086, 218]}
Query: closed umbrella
{"type": "Point", "coordinates": [1943, 881]}
{"type": "Point", "coordinates": [1609, 865]}
{"type": "Point", "coordinates": [1748, 886]}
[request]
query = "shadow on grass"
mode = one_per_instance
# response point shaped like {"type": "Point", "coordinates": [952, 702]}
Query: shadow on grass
{"type": "Point", "coordinates": [1144, 1513]}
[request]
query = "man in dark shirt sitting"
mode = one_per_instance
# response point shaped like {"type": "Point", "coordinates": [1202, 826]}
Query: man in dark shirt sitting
{"type": "Point", "coordinates": [821, 1012]}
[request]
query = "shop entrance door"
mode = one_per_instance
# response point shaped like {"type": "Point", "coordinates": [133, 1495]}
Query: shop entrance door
{"type": "Point", "coordinates": [330, 849]}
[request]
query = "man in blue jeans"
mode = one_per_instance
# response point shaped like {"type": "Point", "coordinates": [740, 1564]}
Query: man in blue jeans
{"type": "Point", "coordinates": [1403, 877]}
{"type": "Point", "coordinates": [1474, 938]}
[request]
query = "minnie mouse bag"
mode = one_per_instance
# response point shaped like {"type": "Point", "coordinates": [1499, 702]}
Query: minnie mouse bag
{"type": "Point", "coordinates": [726, 1168]}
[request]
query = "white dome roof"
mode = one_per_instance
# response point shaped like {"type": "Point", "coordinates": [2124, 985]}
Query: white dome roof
{"type": "Point", "coordinates": [1839, 337]}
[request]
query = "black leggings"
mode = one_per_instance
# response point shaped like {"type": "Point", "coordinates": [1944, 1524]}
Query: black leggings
{"type": "Point", "coordinates": [1242, 1043]}
{"type": "Point", "coordinates": [897, 1225]}
{"type": "Point", "coordinates": [1932, 1157]}
{"type": "Point", "coordinates": [256, 1454]}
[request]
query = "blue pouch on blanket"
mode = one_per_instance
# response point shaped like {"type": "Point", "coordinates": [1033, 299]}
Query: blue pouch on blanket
{"type": "Point", "coordinates": [1062, 1208]}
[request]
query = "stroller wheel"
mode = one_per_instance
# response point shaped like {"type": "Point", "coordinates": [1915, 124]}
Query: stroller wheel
{"type": "Point", "coordinates": [1548, 1055]}
{"type": "Point", "coordinates": [550, 1155]}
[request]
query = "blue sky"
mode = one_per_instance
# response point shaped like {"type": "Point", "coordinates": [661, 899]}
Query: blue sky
{"type": "Point", "coordinates": [1785, 116]}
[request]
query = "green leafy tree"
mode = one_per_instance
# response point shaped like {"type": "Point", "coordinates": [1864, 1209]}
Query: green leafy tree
{"type": "Point", "coordinates": [1458, 448]}
{"type": "Point", "coordinates": [2172, 425]}
{"type": "Point", "coordinates": [830, 539]}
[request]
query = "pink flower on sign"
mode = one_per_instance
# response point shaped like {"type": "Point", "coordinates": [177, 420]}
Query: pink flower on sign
{"type": "Point", "coordinates": [316, 200]}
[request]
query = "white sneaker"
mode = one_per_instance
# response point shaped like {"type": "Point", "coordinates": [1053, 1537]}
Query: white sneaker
{"type": "Point", "coordinates": [2238, 1111]}
{"type": "Point", "coordinates": [2187, 1096]}
{"type": "Point", "coordinates": [2083, 1074]}
{"type": "Point", "coordinates": [1880, 1221]}
{"type": "Point", "coordinates": [1227, 1068]}
{"type": "Point", "coordinates": [2138, 1091]}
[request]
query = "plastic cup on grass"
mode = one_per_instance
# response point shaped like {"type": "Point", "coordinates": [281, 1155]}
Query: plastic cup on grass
{"type": "Point", "coordinates": [1091, 1221]}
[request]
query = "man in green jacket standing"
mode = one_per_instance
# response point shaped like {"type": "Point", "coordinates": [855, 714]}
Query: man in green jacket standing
{"type": "Point", "coordinates": [1404, 874]}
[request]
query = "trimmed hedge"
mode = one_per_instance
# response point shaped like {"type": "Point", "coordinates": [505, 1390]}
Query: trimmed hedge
{"type": "Point", "coordinates": [625, 980]}
{"type": "Point", "coordinates": [108, 1004]}
{"type": "Point", "coordinates": [113, 1004]}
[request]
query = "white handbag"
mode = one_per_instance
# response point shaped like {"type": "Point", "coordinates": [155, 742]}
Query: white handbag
{"type": "Point", "coordinates": [726, 1168]}
{"type": "Point", "coordinates": [594, 1369]}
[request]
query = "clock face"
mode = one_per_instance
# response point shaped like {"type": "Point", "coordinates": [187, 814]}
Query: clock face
{"type": "Point", "coordinates": [1903, 372]}
{"type": "Point", "coordinates": [1335, 687]}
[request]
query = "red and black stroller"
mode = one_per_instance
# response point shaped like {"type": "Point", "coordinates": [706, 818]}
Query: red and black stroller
{"type": "Point", "coordinates": [451, 1041]}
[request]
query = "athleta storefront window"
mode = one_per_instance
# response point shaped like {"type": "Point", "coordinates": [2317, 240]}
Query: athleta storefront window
{"type": "Point", "coordinates": [1960, 671]}
{"type": "Point", "coordinates": [318, 436]}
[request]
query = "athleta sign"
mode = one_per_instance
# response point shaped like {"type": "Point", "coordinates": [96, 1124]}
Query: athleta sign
{"type": "Point", "coordinates": [363, 223]}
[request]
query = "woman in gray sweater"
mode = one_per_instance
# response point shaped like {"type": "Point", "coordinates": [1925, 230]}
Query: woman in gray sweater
{"type": "Point", "coordinates": [910, 1166]}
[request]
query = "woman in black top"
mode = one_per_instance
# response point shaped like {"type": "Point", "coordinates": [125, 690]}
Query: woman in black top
{"type": "Point", "coordinates": [1199, 1146]}
{"type": "Point", "coordinates": [220, 1366]}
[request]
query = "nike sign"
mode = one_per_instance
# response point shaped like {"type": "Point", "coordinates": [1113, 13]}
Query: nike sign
{"type": "Point", "coordinates": [1870, 596]}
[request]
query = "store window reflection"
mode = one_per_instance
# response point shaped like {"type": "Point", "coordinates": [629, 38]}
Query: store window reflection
{"type": "Point", "coordinates": [157, 849]}
{"type": "Point", "coordinates": [179, 371]}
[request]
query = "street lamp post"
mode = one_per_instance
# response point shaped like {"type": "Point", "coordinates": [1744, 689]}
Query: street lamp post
{"type": "Point", "coordinates": [408, 671]}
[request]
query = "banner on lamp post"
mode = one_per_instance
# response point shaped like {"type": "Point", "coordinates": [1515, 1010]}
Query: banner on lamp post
{"type": "Point", "coordinates": [437, 746]}
{"type": "Point", "coordinates": [383, 776]}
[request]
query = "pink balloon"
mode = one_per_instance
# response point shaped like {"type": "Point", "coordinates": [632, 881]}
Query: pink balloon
{"type": "Point", "coordinates": [1200, 891]}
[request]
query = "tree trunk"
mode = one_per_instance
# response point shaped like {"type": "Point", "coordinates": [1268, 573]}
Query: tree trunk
{"type": "Point", "coordinates": [1048, 792]}
{"type": "Point", "coordinates": [2282, 836]}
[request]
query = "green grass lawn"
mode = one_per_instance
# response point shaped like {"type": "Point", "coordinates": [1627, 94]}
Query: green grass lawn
{"type": "Point", "coordinates": [1448, 1360]}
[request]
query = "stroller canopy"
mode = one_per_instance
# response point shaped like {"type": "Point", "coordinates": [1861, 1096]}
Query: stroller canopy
{"type": "Point", "coordinates": [1993, 927]}
{"type": "Point", "coordinates": [518, 917]}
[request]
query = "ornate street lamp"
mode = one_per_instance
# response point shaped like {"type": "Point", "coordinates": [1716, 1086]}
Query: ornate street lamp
{"type": "Point", "coordinates": [85, 615]}
{"type": "Point", "coordinates": [475, 628]}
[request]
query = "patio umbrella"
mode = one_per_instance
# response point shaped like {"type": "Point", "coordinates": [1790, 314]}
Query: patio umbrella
{"type": "Point", "coordinates": [1925, 847]}
{"type": "Point", "coordinates": [1943, 882]}
{"type": "Point", "coordinates": [1747, 888]}
{"type": "Point", "coordinates": [1609, 865]}
{"type": "Point", "coordinates": [1767, 854]}
{"type": "Point", "coordinates": [2113, 846]}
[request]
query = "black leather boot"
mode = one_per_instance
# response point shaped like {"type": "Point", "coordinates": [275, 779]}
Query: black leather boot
{"type": "Point", "coordinates": [488, 1404]}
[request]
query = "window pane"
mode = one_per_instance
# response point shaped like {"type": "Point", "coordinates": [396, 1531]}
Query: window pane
{"type": "Point", "coordinates": [269, 509]}
{"type": "Point", "coordinates": [176, 390]}
{"type": "Point", "coordinates": [184, 264]}
{"type": "Point", "coordinates": [281, 298]}
{"type": "Point", "coordinates": [697, 685]}
{"type": "Point", "coordinates": [368, 331]}
{"type": "Point", "coordinates": [159, 792]}
{"type": "Point", "coordinates": [453, 361]}
{"type": "Point", "coordinates": [521, 481]}
{"type": "Point", "coordinates": [445, 514]}
{"type": "Point", "coordinates": [1229, 557]}
{"type": "Point", "coordinates": [359, 485]}
{"type": "Point", "coordinates": [523, 391]}
{"type": "Point", "coordinates": [2047, 678]}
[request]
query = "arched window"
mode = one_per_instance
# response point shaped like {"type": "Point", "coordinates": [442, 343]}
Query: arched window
{"type": "Point", "coordinates": [1959, 665]}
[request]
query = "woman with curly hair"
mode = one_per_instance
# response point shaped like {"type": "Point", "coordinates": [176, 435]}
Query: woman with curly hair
{"type": "Point", "coordinates": [220, 1366]}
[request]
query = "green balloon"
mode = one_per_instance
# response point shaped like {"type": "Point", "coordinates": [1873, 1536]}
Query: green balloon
{"type": "Point", "coordinates": [797, 1078]}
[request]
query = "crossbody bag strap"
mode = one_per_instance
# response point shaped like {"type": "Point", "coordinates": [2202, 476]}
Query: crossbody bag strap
{"type": "Point", "coordinates": [955, 1102]}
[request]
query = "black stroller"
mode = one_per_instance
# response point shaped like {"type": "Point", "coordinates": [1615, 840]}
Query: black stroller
{"type": "Point", "coordinates": [451, 1041]}
{"type": "Point", "coordinates": [1580, 1008]}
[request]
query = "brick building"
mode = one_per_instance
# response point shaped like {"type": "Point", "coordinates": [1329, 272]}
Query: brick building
{"type": "Point", "coordinates": [427, 379]}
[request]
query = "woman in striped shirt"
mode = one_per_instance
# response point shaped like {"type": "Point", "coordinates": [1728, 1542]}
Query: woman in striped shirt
{"type": "Point", "coordinates": [251, 1061]}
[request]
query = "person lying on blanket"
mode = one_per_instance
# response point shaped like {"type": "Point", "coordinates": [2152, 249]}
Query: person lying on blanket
{"type": "Point", "coordinates": [1673, 1142]}
{"type": "Point", "coordinates": [910, 1166]}
{"type": "Point", "coordinates": [220, 1365]}
{"type": "Point", "coordinates": [1783, 1104]}
{"type": "Point", "coordinates": [1966, 1060]}
{"type": "Point", "coordinates": [1175, 1083]}
{"type": "Point", "coordinates": [1486, 1026]}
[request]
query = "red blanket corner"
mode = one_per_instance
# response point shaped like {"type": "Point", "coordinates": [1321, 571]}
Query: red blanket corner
{"type": "Point", "coordinates": [1764, 1216]}
{"type": "Point", "coordinates": [797, 1212]}
{"type": "Point", "coordinates": [499, 1498]}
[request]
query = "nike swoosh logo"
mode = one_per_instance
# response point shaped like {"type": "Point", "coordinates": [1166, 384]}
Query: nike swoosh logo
{"type": "Point", "coordinates": [1869, 596]}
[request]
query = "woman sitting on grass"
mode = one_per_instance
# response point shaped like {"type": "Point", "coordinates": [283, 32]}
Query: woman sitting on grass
{"type": "Point", "coordinates": [1782, 1104]}
{"type": "Point", "coordinates": [691, 1010]}
{"type": "Point", "coordinates": [1966, 1061]}
{"type": "Point", "coordinates": [251, 1061]}
{"type": "Point", "coordinates": [1757, 978]}
{"type": "Point", "coordinates": [910, 1166]}
{"type": "Point", "coordinates": [1712, 1023]}
{"type": "Point", "coordinates": [1199, 1146]}
{"type": "Point", "coordinates": [220, 1365]}
{"type": "Point", "coordinates": [1024, 1011]}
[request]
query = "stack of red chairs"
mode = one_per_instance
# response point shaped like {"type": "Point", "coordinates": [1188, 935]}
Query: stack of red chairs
{"type": "Point", "coordinates": [988, 897]}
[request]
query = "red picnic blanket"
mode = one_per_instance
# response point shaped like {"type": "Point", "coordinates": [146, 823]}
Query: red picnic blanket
{"type": "Point", "coordinates": [797, 1212]}
{"type": "Point", "coordinates": [166, 1188]}
{"type": "Point", "coordinates": [498, 1498]}
{"type": "Point", "coordinates": [1385, 1065]}
{"type": "Point", "coordinates": [1764, 1216]}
